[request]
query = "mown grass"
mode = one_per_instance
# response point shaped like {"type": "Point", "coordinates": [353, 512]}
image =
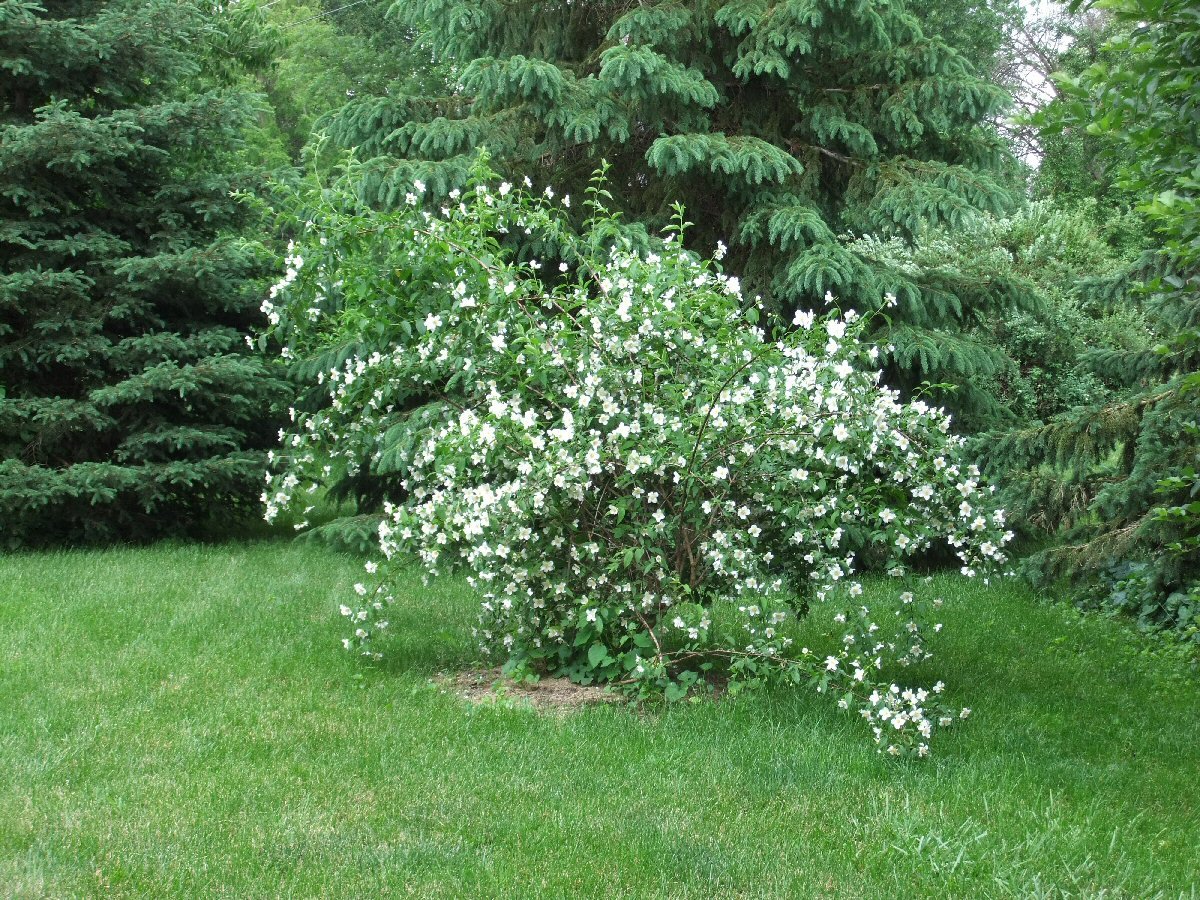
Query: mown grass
{"type": "Point", "coordinates": [181, 722]}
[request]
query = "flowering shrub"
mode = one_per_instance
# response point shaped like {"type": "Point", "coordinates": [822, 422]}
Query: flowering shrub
{"type": "Point", "coordinates": [645, 487]}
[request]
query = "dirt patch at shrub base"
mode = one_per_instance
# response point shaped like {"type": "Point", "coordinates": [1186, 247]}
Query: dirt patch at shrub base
{"type": "Point", "coordinates": [491, 687]}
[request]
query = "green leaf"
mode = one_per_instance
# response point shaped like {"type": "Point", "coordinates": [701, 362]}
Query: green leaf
{"type": "Point", "coordinates": [675, 692]}
{"type": "Point", "coordinates": [597, 655]}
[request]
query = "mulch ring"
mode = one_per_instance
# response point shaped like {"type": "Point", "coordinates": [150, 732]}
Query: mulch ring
{"type": "Point", "coordinates": [487, 687]}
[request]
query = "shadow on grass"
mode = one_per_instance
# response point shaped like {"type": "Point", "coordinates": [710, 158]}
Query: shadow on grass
{"type": "Point", "coordinates": [429, 629]}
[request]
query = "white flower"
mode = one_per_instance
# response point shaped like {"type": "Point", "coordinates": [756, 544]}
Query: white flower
{"type": "Point", "coordinates": [721, 473]}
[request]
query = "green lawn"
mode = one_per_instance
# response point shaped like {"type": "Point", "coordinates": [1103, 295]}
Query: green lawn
{"type": "Point", "coordinates": [181, 722]}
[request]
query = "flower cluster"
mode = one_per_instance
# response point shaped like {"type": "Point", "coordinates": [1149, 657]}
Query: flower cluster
{"type": "Point", "coordinates": [644, 485]}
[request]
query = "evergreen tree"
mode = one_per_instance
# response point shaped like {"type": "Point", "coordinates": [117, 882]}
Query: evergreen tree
{"type": "Point", "coordinates": [782, 125]}
{"type": "Point", "coordinates": [329, 53]}
{"type": "Point", "coordinates": [130, 406]}
{"type": "Point", "coordinates": [1125, 472]}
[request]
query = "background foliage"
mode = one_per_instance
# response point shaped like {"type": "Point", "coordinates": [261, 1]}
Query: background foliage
{"type": "Point", "coordinates": [1045, 265]}
{"type": "Point", "coordinates": [1130, 464]}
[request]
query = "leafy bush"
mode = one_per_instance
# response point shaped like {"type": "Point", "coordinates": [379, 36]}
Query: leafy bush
{"type": "Point", "coordinates": [646, 488]}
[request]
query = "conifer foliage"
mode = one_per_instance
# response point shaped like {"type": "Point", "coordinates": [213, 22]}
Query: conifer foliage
{"type": "Point", "coordinates": [1126, 471]}
{"type": "Point", "coordinates": [129, 403]}
{"type": "Point", "coordinates": [781, 124]}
